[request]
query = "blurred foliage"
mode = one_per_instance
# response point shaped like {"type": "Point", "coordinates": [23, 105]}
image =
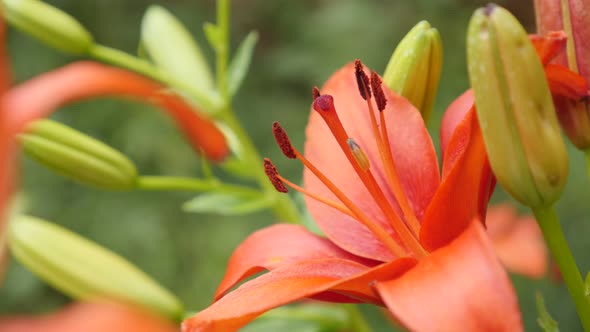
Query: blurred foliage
{"type": "Point", "coordinates": [301, 43]}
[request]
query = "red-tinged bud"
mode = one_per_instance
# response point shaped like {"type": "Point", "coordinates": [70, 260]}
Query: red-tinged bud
{"type": "Point", "coordinates": [573, 17]}
{"type": "Point", "coordinates": [283, 140]}
{"type": "Point", "coordinates": [273, 175]}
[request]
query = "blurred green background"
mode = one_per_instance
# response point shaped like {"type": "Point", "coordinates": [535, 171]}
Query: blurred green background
{"type": "Point", "coordinates": [301, 44]}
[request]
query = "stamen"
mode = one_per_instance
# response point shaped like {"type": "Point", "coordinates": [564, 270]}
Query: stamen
{"type": "Point", "coordinates": [380, 99]}
{"type": "Point", "coordinates": [362, 80]}
{"type": "Point", "coordinates": [324, 105]}
{"type": "Point", "coordinates": [377, 230]}
{"type": "Point", "coordinates": [283, 140]}
{"type": "Point", "coordinates": [315, 92]}
{"type": "Point", "coordinates": [318, 198]}
{"type": "Point", "coordinates": [359, 154]}
{"type": "Point", "coordinates": [273, 175]}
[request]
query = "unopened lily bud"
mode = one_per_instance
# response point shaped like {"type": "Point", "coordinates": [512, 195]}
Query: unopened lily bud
{"type": "Point", "coordinates": [49, 24]}
{"type": "Point", "coordinates": [414, 68]}
{"type": "Point", "coordinates": [573, 17]}
{"type": "Point", "coordinates": [83, 269]}
{"type": "Point", "coordinates": [78, 156]}
{"type": "Point", "coordinates": [515, 109]}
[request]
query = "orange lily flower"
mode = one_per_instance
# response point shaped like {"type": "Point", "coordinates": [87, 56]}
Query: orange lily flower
{"type": "Point", "coordinates": [399, 234]}
{"type": "Point", "coordinates": [90, 317]}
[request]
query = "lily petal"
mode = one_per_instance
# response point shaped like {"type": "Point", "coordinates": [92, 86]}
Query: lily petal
{"type": "Point", "coordinates": [411, 146]}
{"type": "Point", "coordinates": [89, 317]}
{"type": "Point", "coordinates": [564, 82]}
{"type": "Point", "coordinates": [275, 246]}
{"type": "Point", "coordinates": [465, 171]}
{"type": "Point", "coordinates": [83, 80]}
{"type": "Point", "coordinates": [550, 45]}
{"type": "Point", "coordinates": [518, 241]}
{"type": "Point", "coordinates": [453, 116]}
{"type": "Point", "coordinates": [461, 287]}
{"type": "Point", "coordinates": [291, 283]}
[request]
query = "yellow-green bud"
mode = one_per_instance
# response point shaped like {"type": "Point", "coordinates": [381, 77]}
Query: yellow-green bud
{"type": "Point", "coordinates": [78, 156]}
{"type": "Point", "coordinates": [515, 109]}
{"type": "Point", "coordinates": [83, 269]}
{"type": "Point", "coordinates": [49, 24]}
{"type": "Point", "coordinates": [414, 68]}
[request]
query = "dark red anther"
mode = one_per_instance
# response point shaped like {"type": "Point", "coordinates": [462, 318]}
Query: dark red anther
{"type": "Point", "coordinates": [273, 175]}
{"type": "Point", "coordinates": [324, 103]}
{"type": "Point", "coordinates": [315, 92]}
{"type": "Point", "coordinates": [362, 80]}
{"type": "Point", "coordinates": [283, 140]}
{"type": "Point", "coordinates": [378, 91]}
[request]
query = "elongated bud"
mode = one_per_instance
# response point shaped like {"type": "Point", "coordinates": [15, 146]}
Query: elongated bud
{"type": "Point", "coordinates": [84, 270]}
{"type": "Point", "coordinates": [414, 68]}
{"type": "Point", "coordinates": [573, 17]}
{"type": "Point", "coordinates": [48, 24]}
{"type": "Point", "coordinates": [78, 156]}
{"type": "Point", "coordinates": [515, 109]}
{"type": "Point", "coordinates": [358, 154]}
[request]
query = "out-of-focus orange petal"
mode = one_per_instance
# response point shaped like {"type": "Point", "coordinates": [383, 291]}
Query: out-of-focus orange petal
{"type": "Point", "coordinates": [290, 283]}
{"type": "Point", "coordinates": [461, 287]}
{"type": "Point", "coordinates": [550, 45]}
{"type": "Point", "coordinates": [275, 246]}
{"type": "Point", "coordinates": [518, 241]}
{"type": "Point", "coordinates": [412, 151]}
{"type": "Point", "coordinates": [89, 317]}
{"type": "Point", "coordinates": [564, 82]}
{"type": "Point", "coordinates": [43, 94]}
{"type": "Point", "coordinates": [6, 150]}
{"type": "Point", "coordinates": [465, 188]}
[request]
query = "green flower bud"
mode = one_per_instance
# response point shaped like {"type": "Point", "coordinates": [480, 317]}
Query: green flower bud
{"type": "Point", "coordinates": [515, 109]}
{"type": "Point", "coordinates": [84, 270]}
{"type": "Point", "coordinates": [414, 68]}
{"type": "Point", "coordinates": [49, 24]}
{"type": "Point", "coordinates": [78, 156]}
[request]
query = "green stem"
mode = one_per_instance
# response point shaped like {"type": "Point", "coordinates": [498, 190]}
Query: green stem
{"type": "Point", "coordinates": [587, 154]}
{"type": "Point", "coordinates": [357, 320]}
{"type": "Point", "coordinates": [222, 50]}
{"type": "Point", "coordinates": [549, 223]}
{"type": "Point", "coordinates": [188, 184]}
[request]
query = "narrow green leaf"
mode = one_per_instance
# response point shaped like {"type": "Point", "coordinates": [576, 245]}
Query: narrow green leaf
{"type": "Point", "coordinates": [84, 270]}
{"type": "Point", "coordinates": [172, 48]}
{"type": "Point", "coordinates": [545, 321]}
{"type": "Point", "coordinates": [306, 317]}
{"type": "Point", "coordinates": [228, 203]}
{"type": "Point", "coordinates": [238, 68]}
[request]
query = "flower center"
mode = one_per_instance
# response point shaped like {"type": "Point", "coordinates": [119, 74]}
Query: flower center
{"type": "Point", "coordinates": [406, 226]}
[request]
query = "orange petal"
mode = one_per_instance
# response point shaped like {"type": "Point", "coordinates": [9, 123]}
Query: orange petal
{"type": "Point", "coordinates": [274, 246]}
{"type": "Point", "coordinates": [453, 116]}
{"type": "Point", "coordinates": [291, 283]}
{"type": "Point", "coordinates": [411, 146]}
{"type": "Point", "coordinates": [518, 241]}
{"type": "Point", "coordinates": [465, 189]}
{"type": "Point", "coordinates": [89, 317]}
{"type": "Point", "coordinates": [550, 45]}
{"type": "Point", "coordinates": [460, 287]}
{"type": "Point", "coordinates": [83, 80]}
{"type": "Point", "coordinates": [564, 82]}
